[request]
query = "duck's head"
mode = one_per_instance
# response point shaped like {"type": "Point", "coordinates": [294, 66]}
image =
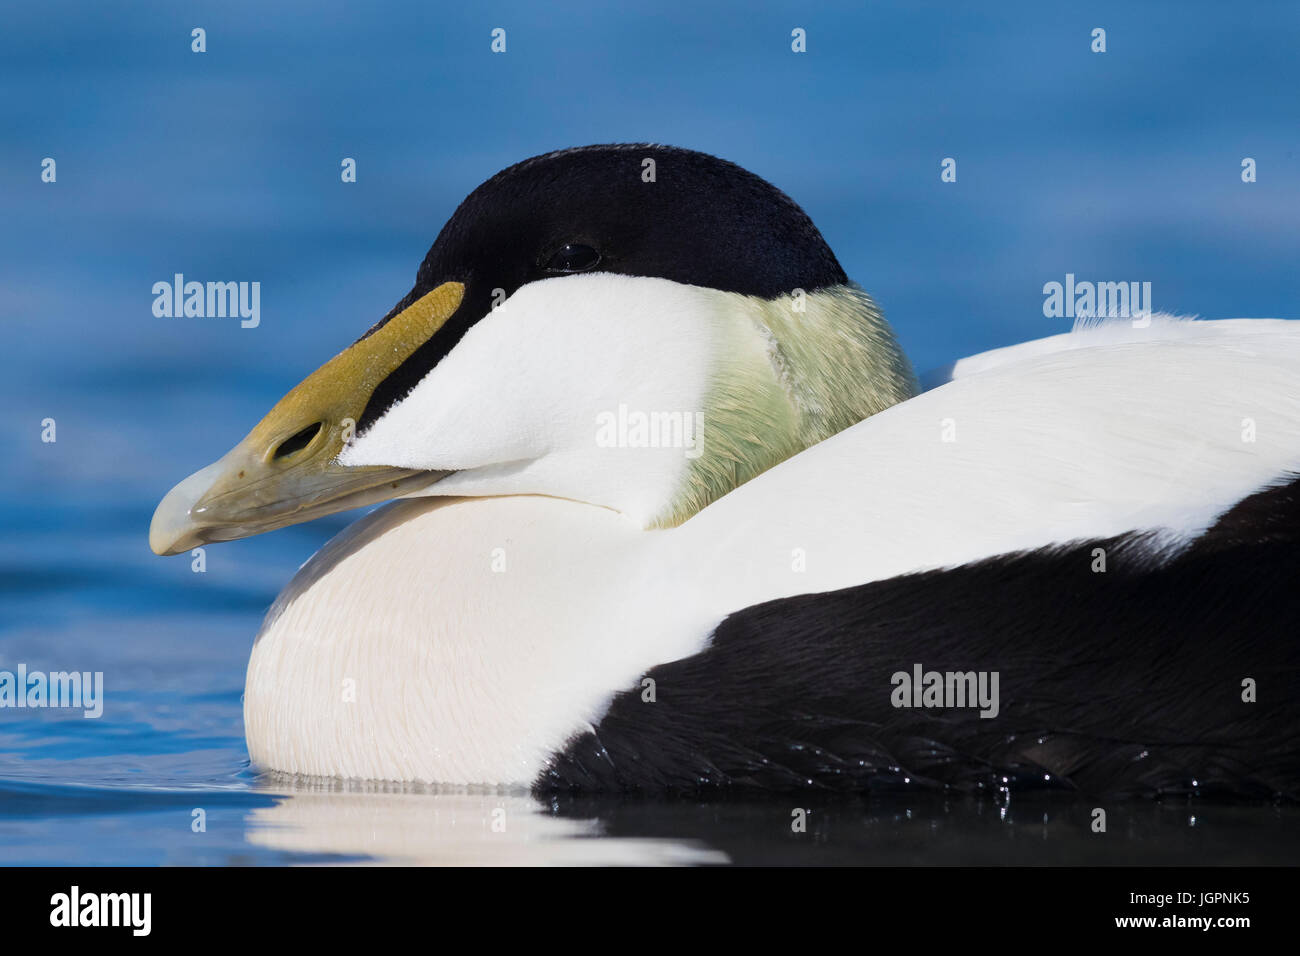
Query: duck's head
{"type": "Point", "coordinates": [638, 327]}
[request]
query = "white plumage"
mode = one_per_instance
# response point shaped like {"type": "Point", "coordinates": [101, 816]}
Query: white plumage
{"type": "Point", "coordinates": [469, 671]}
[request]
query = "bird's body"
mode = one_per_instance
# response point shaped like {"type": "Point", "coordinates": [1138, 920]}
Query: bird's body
{"type": "Point", "coordinates": [1099, 528]}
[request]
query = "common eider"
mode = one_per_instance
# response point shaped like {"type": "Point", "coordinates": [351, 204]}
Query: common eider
{"type": "Point", "coordinates": [678, 517]}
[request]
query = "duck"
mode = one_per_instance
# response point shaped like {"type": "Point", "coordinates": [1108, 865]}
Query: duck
{"type": "Point", "coordinates": [667, 509]}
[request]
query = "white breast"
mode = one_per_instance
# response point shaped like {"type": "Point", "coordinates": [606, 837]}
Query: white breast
{"type": "Point", "coordinates": [455, 640]}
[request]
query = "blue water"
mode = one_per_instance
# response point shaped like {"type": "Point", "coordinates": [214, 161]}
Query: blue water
{"type": "Point", "coordinates": [225, 165]}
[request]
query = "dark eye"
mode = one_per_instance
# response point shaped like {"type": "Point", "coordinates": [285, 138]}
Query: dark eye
{"type": "Point", "coordinates": [573, 257]}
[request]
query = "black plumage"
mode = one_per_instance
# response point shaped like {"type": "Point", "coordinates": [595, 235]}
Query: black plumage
{"type": "Point", "coordinates": [1127, 681]}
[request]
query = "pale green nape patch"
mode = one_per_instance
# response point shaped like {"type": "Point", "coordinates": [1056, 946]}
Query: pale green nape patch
{"type": "Point", "coordinates": [788, 380]}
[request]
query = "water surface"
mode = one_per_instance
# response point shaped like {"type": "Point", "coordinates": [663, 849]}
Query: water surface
{"type": "Point", "coordinates": [225, 166]}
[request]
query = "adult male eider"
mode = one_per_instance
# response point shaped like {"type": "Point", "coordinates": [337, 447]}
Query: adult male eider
{"type": "Point", "coordinates": [1074, 563]}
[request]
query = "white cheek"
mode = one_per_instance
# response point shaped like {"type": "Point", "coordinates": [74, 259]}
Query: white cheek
{"type": "Point", "coordinates": [521, 396]}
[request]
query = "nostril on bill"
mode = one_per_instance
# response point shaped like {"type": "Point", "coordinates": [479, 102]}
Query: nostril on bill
{"type": "Point", "coordinates": [297, 441]}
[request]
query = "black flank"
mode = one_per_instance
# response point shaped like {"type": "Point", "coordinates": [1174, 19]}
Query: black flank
{"type": "Point", "coordinates": [1122, 682]}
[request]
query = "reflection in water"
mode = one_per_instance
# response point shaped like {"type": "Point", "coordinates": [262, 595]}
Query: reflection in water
{"type": "Point", "coordinates": [359, 822]}
{"type": "Point", "coordinates": [451, 829]}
